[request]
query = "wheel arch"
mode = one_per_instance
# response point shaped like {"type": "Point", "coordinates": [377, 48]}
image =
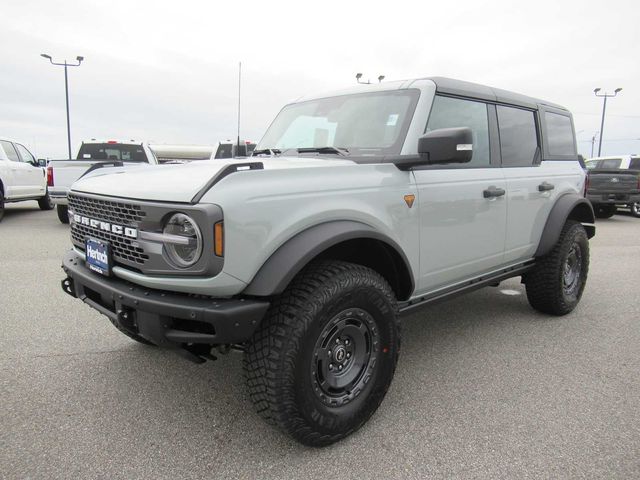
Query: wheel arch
{"type": "Point", "coordinates": [570, 206]}
{"type": "Point", "coordinates": [339, 240]}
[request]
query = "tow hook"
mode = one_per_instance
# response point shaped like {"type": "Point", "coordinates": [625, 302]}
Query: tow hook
{"type": "Point", "coordinates": [68, 287]}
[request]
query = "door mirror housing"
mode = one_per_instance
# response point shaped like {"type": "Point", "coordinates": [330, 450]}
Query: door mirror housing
{"type": "Point", "coordinates": [446, 145]}
{"type": "Point", "coordinates": [41, 162]}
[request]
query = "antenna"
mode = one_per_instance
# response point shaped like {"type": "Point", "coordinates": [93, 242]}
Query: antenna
{"type": "Point", "coordinates": [239, 90]}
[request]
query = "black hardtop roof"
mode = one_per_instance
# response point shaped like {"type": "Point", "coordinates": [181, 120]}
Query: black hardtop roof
{"type": "Point", "coordinates": [452, 86]}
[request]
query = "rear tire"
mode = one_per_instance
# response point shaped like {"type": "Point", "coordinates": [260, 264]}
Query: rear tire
{"type": "Point", "coordinates": [322, 360]}
{"type": "Point", "coordinates": [63, 213]}
{"type": "Point", "coordinates": [556, 283]}
{"type": "Point", "coordinates": [45, 202]}
{"type": "Point", "coordinates": [635, 209]}
{"type": "Point", "coordinates": [1, 205]}
{"type": "Point", "coordinates": [605, 211]}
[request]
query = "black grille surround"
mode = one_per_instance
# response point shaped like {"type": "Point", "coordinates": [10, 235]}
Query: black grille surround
{"type": "Point", "coordinates": [143, 255]}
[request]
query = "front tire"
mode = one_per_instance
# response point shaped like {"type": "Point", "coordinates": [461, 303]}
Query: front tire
{"type": "Point", "coordinates": [323, 359]}
{"type": "Point", "coordinates": [63, 213]}
{"type": "Point", "coordinates": [45, 202]}
{"type": "Point", "coordinates": [605, 211]}
{"type": "Point", "coordinates": [1, 205]}
{"type": "Point", "coordinates": [556, 283]}
{"type": "Point", "coordinates": [635, 209]}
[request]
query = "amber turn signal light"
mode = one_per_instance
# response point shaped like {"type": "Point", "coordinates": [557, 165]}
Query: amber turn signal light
{"type": "Point", "coordinates": [218, 237]}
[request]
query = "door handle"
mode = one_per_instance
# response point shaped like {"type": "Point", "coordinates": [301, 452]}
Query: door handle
{"type": "Point", "coordinates": [492, 192]}
{"type": "Point", "coordinates": [545, 187]}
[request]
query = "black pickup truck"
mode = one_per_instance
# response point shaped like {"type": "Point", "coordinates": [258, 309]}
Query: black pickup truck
{"type": "Point", "coordinates": [614, 182]}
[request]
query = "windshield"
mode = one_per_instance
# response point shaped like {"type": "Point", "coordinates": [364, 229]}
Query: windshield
{"type": "Point", "coordinates": [364, 124]}
{"type": "Point", "coordinates": [112, 151]}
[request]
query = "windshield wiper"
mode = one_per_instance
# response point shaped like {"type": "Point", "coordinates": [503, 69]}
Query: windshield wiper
{"type": "Point", "coordinates": [267, 151]}
{"type": "Point", "coordinates": [324, 150]}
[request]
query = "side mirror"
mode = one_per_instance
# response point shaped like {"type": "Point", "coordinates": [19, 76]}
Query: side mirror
{"type": "Point", "coordinates": [41, 162]}
{"type": "Point", "coordinates": [446, 145]}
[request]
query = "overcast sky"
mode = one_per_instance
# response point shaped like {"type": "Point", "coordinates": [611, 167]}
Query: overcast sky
{"type": "Point", "coordinates": [166, 71]}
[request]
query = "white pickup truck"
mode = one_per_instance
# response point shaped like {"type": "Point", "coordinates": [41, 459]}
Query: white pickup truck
{"type": "Point", "coordinates": [93, 154]}
{"type": "Point", "coordinates": [21, 176]}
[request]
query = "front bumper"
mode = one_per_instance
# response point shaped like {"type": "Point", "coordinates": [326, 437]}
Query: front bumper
{"type": "Point", "coordinates": [613, 198]}
{"type": "Point", "coordinates": [167, 319]}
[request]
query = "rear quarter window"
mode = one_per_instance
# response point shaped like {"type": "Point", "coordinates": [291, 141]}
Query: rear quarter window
{"type": "Point", "coordinates": [559, 134]}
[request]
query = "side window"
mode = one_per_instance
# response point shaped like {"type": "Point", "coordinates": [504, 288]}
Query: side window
{"type": "Point", "coordinates": [613, 163]}
{"type": "Point", "coordinates": [454, 112]}
{"type": "Point", "coordinates": [25, 154]}
{"type": "Point", "coordinates": [10, 151]}
{"type": "Point", "coordinates": [559, 134]}
{"type": "Point", "coordinates": [518, 138]}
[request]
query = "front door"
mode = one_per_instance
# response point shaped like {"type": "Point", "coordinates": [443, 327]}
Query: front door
{"type": "Point", "coordinates": [463, 208]}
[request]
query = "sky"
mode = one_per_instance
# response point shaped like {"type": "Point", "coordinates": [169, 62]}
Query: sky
{"type": "Point", "coordinates": [167, 72]}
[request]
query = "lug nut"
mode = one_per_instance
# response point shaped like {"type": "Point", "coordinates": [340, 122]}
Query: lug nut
{"type": "Point", "coordinates": [331, 366]}
{"type": "Point", "coordinates": [346, 342]}
{"type": "Point", "coordinates": [329, 353]}
{"type": "Point", "coordinates": [339, 367]}
{"type": "Point", "coordinates": [337, 340]}
{"type": "Point", "coordinates": [348, 355]}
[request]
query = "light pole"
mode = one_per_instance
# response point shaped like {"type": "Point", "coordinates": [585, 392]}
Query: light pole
{"type": "Point", "coordinates": [604, 109]}
{"type": "Point", "coordinates": [66, 89]}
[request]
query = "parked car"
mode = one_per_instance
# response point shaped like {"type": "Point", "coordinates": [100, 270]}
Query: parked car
{"type": "Point", "coordinates": [614, 182]}
{"type": "Point", "coordinates": [355, 206]}
{"type": "Point", "coordinates": [21, 176]}
{"type": "Point", "coordinates": [62, 173]}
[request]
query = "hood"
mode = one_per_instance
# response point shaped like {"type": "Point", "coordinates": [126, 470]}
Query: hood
{"type": "Point", "coordinates": [180, 183]}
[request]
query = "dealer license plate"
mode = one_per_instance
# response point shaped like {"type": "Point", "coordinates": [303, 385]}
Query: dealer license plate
{"type": "Point", "coordinates": [98, 256]}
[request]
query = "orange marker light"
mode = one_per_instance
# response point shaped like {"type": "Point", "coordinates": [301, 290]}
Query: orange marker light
{"type": "Point", "coordinates": [218, 237]}
{"type": "Point", "coordinates": [409, 199]}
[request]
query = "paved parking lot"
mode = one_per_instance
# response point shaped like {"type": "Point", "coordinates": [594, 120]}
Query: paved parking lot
{"type": "Point", "coordinates": [485, 386]}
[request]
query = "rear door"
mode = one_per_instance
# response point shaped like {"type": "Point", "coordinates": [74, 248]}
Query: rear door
{"type": "Point", "coordinates": [533, 186]}
{"type": "Point", "coordinates": [462, 227]}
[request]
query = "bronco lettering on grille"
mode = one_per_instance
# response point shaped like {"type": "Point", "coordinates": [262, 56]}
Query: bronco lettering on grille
{"type": "Point", "coordinates": [104, 226]}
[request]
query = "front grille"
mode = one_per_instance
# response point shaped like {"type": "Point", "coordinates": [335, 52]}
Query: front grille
{"type": "Point", "coordinates": [108, 210]}
{"type": "Point", "coordinates": [121, 213]}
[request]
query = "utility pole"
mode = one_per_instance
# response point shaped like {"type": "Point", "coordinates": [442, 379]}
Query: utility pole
{"type": "Point", "coordinates": [79, 59]}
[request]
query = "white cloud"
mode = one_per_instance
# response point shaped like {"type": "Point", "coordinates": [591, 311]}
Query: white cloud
{"type": "Point", "coordinates": [167, 71]}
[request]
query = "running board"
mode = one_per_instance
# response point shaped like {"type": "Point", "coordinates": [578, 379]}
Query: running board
{"type": "Point", "coordinates": [465, 287]}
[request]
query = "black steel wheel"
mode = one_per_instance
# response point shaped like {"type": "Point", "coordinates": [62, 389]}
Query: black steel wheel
{"type": "Point", "coordinates": [556, 283]}
{"type": "Point", "coordinates": [323, 359]}
{"type": "Point", "coordinates": [344, 357]}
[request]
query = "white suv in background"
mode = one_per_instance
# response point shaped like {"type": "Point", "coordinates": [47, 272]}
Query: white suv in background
{"type": "Point", "coordinates": [21, 176]}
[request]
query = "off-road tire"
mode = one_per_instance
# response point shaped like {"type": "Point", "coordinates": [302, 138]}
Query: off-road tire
{"type": "Point", "coordinates": [635, 209]}
{"type": "Point", "coordinates": [45, 202]}
{"type": "Point", "coordinates": [605, 211]}
{"type": "Point", "coordinates": [1, 205]}
{"type": "Point", "coordinates": [281, 363]}
{"type": "Point", "coordinates": [548, 285]}
{"type": "Point", "coordinates": [63, 213]}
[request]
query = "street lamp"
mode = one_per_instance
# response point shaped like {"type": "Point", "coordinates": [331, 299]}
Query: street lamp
{"type": "Point", "coordinates": [605, 95]}
{"type": "Point", "coordinates": [79, 59]}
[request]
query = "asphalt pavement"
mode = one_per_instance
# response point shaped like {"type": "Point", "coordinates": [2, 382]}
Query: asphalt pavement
{"type": "Point", "coordinates": [485, 387]}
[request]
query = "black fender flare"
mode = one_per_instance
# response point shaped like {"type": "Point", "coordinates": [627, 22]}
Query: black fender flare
{"type": "Point", "coordinates": [569, 206]}
{"type": "Point", "coordinates": [292, 256]}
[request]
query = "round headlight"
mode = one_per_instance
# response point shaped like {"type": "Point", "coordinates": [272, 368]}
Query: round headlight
{"type": "Point", "coordinates": [185, 246]}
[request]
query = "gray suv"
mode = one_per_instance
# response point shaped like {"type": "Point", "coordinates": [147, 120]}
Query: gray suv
{"type": "Point", "coordinates": [356, 207]}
